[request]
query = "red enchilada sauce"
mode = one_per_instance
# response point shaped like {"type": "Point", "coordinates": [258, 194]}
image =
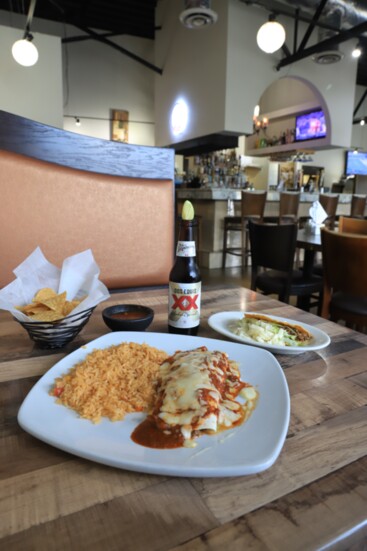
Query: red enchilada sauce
{"type": "Point", "coordinates": [149, 435]}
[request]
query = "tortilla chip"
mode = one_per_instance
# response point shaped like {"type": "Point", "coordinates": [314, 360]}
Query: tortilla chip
{"type": "Point", "coordinates": [47, 305]}
{"type": "Point", "coordinates": [47, 316]}
{"type": "Point", "coordinates": [69, 307]}
{"type": "Point", "coordinates": [31, 309]}
{"type": "Point", "coordinates": [56, 303]}
{"type": "Point", "coordinates": [44, 294]}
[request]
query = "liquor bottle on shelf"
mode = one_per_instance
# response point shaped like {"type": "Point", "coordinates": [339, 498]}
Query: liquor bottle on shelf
{"type": "Point", "coordinates": [185, 280]}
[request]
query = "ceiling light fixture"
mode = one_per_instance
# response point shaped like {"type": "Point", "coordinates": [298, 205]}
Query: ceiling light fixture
{"type": "Point", "coordinates": [362, 122]}
{"type": "Point", "coordinates": [357, 51]}
{"type": "Point", "coordinates": [271, 36]}
{"type": "Point", "coordinates": [24, 51]}
{"type": "Point", "coordinates": [77, 121]}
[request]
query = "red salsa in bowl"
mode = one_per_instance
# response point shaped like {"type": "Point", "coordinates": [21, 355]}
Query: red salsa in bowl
{"type": "Point", "coordinates": [128, 317]}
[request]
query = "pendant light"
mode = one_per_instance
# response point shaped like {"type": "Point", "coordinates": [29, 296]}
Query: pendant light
{"type": "Point", "coordinates": [271, 36]}
{"type": "Point", "coordinates": [24, 51]}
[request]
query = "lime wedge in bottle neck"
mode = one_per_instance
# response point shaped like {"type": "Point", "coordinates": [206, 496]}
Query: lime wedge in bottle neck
{"type": "Point", "coordinates": [188, 212]}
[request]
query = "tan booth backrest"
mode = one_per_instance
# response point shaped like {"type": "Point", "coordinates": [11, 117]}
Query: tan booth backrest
{"type": "Point", "coordinates": [126, 222]}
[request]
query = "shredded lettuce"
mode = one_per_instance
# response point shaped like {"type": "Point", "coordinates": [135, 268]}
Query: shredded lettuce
{"type": "Point", "coordinates": [265, 332]}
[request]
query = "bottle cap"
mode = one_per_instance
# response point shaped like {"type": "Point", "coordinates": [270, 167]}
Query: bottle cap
{"type": "Point", "coordinates": [188, 212]}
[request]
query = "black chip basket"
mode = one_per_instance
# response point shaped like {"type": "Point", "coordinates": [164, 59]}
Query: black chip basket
{"type": "Point", "coordinates": [55, 334]}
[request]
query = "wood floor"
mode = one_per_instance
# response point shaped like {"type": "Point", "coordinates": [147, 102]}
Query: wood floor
{"type": "Point", "coordinates": [234, 276]}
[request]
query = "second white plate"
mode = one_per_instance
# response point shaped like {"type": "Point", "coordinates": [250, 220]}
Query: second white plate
{"type": "Point", "coordinates": [221, 321]}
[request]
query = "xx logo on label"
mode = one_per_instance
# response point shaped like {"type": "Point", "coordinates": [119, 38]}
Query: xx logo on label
{"type": "Point", "coordinates": [185, 302]}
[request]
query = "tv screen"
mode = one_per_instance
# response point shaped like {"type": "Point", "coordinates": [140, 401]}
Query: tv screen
{"type": "Point", "coordinates": [310, 126]}
{"type": "Point", "coordinates": [356, 163]}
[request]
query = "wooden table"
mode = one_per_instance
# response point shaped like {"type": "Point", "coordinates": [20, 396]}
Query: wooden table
{"type": "Point", "coordinates": [313, 497]}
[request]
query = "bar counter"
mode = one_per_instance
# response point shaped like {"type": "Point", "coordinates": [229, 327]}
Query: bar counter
{"type": "Point", "coordinates": [211, 206]}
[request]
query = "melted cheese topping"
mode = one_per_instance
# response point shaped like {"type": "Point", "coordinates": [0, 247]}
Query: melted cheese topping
{"type": "Point", "coordinates": [183, 379]}
{"type": "Point", "coordinates": [197, 392]}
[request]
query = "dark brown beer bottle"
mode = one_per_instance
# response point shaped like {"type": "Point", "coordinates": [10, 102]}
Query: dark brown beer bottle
{"type": "Point", "coordinates": [185, 280]}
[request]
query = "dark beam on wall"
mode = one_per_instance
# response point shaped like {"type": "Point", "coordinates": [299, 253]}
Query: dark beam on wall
{"type": "Point", "coordinates": [312, 25]}
{"type": "Point", "coordinates": [359, 103]}
{"type": "Point", "coordinates": [324, 45]}
{"type": "Point", "coordinates": [81, 37]}
{"type": "Point", "coordinates": [124, 51]}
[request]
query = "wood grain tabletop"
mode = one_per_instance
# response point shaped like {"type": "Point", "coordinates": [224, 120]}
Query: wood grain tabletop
{"type": "Point", "coordinates": [313, 497]}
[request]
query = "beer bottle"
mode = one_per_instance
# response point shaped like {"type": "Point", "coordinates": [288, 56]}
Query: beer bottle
{"type": "Point", "coordinates": [185, 280]}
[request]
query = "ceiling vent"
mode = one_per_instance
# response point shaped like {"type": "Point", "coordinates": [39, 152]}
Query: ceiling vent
{"type": "Point", "coordinates": [328, 57]}
{"type": "Point", "coordinates": [197, 14]}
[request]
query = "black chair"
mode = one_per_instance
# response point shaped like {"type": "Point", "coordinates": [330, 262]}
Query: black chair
{"type": "Point", "coordinates": [273, 248]}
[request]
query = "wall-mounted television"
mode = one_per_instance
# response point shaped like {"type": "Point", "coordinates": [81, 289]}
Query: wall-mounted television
{"type": "Point", "coordinates": [356, 163]}
{"type": "Point", "coordinates": [310, 126]}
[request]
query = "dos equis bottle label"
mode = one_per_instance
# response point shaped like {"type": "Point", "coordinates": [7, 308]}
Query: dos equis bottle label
{"type": "Point", "coordinates": [184, 305]}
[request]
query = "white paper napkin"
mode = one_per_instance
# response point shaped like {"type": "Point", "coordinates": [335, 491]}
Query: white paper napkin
{"type": "Point", "coordinates": [78, 277]}
{"type": "Point", "coordinates": [317, 213]}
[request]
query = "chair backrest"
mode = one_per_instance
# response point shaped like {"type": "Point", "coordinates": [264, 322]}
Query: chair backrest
{"type": "Point", "coordinates": [109, 200]}
{"type": "Point", "coordinates": [352, 225]}
{"type": "Point", "coordinates": [329, 202]}
{"type": "Point", "coordinates": [288, 205]}
{"type": "Point", "coordinates": [358, 205]}
{"type": "Point", "coordinates": [253, 204]}
{"type": "Point", "coordinates": [352, 250]}
{"type": "Point", "coordinates": [273, 246]}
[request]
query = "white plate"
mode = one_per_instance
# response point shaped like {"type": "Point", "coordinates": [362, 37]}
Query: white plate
{"type": "Point", "coordinates": [247, 449]}
{"type": "Point", "coordinates": [221, 321]}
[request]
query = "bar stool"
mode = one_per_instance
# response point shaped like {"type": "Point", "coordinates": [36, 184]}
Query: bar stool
{"type": "Point", "coordinates": [329, 203]}
{"type": "Point", "coordinates": [358, 206]}
{"type": "Point", "coordinates": [288, 206]}
{"type": "Point", "coordinates": [252, 208]}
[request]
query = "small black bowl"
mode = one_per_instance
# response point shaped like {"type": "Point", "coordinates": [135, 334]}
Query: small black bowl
{"type": "Point", "coordinates": [128, 317]}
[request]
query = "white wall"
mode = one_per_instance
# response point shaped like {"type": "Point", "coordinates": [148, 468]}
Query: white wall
{"type": "Point", "coordinates": [359, 133]}
{"type": "Point", "coordinates": [33, 92]}
{"type": "Point", "coordinates": [99, 78]}
{"type": "Point", "coordinates": [249, 71]}
{"type": "Point", "coordinates": [194, 64]}
{"type": "Point", "coordinates": [85, 79]}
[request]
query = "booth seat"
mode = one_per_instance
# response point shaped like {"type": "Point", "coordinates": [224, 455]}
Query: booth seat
{"type": "Point", "coordinates": [127, 222]}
